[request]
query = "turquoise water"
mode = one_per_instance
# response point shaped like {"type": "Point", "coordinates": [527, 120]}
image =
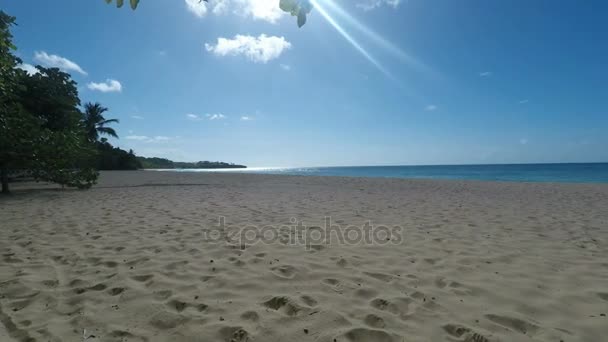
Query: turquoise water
{"type": "Point", "coordinates": [577, 173]}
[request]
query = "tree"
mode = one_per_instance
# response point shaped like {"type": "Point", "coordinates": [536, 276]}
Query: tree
{"type": "Point", "coordinates": [10, 119]}
{"type": "Point", "coordinates": [95, 123]}
{"type": "Point", "coordinates": [297, 8]}
{"type": "Point", "coordinates": [52, 96]}
{"type": "Point", "coordinates": [40, 128]}
{"type": "Point", "coordinates": [114, 158]}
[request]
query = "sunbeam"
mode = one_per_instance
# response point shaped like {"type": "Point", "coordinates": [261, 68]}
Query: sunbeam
{"type": "Point", "coordinates": [376, 38]}
{"type": "Point", "coordinates": [349, 38]}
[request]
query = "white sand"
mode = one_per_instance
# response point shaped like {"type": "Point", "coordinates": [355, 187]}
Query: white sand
{"type": "Point", "coordinates": [129, 261]}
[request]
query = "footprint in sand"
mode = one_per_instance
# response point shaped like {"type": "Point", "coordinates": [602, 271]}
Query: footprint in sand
{"type": "Point", "coordinates": [516, 324]}
{"type": "Point", "coordinates": [142, 278]}
{"type": "Point", "coordinates": [365, 335]}
{"type": "Point", "coordinates": [126, 336]}
{"type": "Point", "coordinates": [308, 300]}
{"type": "Point", "coordinates": [234, 334]}
{"type": "Point", "coordinates": [98, 287]}
{"type": "Point", "coordinates": [283, 304]}
{"type": "Point", "coordinates": [398, 306]}
{"type": "Point", "coordinates": [284, 271]}
{"type": "Point", "coordinates": [380, 276]}
{"type": "Point", "coordinates": [374, 321]}
{"type": "Point", "coordinates": [464, 334]}
{"type": "Point", "coordinates": [116, 291]}
{"type": "Point", "coordinates": [250, 316]}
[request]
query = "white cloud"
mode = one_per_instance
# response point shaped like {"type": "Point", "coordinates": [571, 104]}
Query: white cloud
{"type": "Point", "coordinates": [286, 67]}
{"type": "Point", "coordinates": [368, 5]}
{"type": "Point", "coordinates": [267, 10]}
{"type": "Point", "coordinates": [54, 61]}
{"type": "Point", "coordinates": [430, 108]}
{"type": "Point", "coordinates": [30, 69]}
{"type": "Point", "coordinates": [109, 86]}
{"type": "Point", "coordinates": [137, 117]}
{"type": "Point", "coordinates": [147, 139]}
{"type": "Point", "coordinates": [485, 74]}
{"type": "Point", "coordinates": [523, 141]}
{"type": "Point", "coordinates": [136, 137]}
{"type": "Point", "coordinates": [246, 118]}
{"type": "Point", "coordinates": [215, 116]}
{"type": "Point", "coordinates": [523, 101]}
{"type": "Point", "coordinates": [259, 50]}
{"type": "Point", "coordinates": [195, 117]}
{"type": "Point", "coordinates": [197, 7]}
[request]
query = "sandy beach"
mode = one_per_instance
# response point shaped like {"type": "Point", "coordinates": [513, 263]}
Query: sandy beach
{"type": "Point", "coordinates": [160, 256]}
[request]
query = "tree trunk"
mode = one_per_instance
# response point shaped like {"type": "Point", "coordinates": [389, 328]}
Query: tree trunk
{"type": "Point", "coordinates": [4, 178]}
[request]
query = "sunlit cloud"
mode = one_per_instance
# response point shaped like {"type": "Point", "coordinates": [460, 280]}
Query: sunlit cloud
{"type": "Point", "coordinates": [486, 74]}
{"type": "Point", "coordinates": [193, 117]}
{"type": "Point", "coordinates": [109, 86]}
{"type": "Point", "coordinates": [30, 69]}
{"type": "Point", "coordinates": [368, 5]}
{"type": "Point", "coordinates": [523, 101]}
{"type": "Point", "coordinates": [147, 139]}
{"type": "Point", "coordinates": [55, 61]}
{"type": "Point", "coordinates": [137, 117]}
{"type": "Point", "coordinates": [215, 116]}
{"type": "Point", "coordinates": [266, 10]}
{"type": "Point", "coordinates": [246, 118]}
{"type": "Point", "coordinates": [261, 49]}
{"type": "Point", "coordinates": [285, 67]}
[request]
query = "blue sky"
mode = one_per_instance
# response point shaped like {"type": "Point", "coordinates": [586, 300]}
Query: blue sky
{"type": "Point", "coordinates": [399, 82]}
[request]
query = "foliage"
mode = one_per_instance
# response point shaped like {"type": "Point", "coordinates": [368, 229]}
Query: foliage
{"type": "Point", "coordinates": [8, 61]}
{"type": "Point", "coordinates": [65, 157]}
{"type": "Point", "coordinates": [162, 163]}
{"type": "Point", "coordinates": [52, 96]}
{"type": "Point", "coordinates": [40, 129]}
{"type": "Point", "coordinates": [119, 3]}
{"type": "Point", "coordinates": [95, 123]}
{"type": "Point", "coordinates": [297, 8]}
{"type": "Point", "coordinates": [155, 163]}
{"type": "Point", "coordinates": [114, 158]}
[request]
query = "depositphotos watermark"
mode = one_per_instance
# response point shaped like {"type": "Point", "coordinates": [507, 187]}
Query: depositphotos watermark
{"type": "Point", "coordinates": [299, 234]}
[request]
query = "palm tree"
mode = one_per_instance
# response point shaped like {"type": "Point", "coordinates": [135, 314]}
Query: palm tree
{"type": "Point", "coordinates": [95, 123]}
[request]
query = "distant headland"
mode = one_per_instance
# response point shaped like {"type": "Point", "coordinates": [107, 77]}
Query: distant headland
{"type": "Point", "coordinates": [162, 163]}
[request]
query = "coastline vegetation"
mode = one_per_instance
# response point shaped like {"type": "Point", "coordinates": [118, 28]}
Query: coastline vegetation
{"type": "Point", "coordinates": [47, 135]}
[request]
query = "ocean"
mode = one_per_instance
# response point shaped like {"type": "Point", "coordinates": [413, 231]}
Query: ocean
{"type": "Point", "coordinates": [572, 173]}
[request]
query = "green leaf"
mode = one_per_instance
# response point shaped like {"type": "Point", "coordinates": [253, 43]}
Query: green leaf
{"type": "Point", "coordinates": [134, 4]}
{"type": "Point", "coordinates": [290, 6]}
{"type": "Point", "coordinates": [119, 3]}
{"type": "Point", "coordinates": [301, 19]}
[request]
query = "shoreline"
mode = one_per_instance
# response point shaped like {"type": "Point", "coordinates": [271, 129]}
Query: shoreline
{"type": "Point", "coordinates": [421, 179]}
{"type": "Point", "coordinates": [586, 172]}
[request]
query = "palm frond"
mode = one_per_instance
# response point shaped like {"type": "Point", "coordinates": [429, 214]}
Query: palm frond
{"type": "Point", "coordinates": [107, 131]}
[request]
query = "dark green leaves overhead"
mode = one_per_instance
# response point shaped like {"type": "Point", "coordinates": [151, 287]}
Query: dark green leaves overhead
{"type": "Point", "coordinates": [119, 3]}
{"type": "Point", "coordinates": [297, 8]}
